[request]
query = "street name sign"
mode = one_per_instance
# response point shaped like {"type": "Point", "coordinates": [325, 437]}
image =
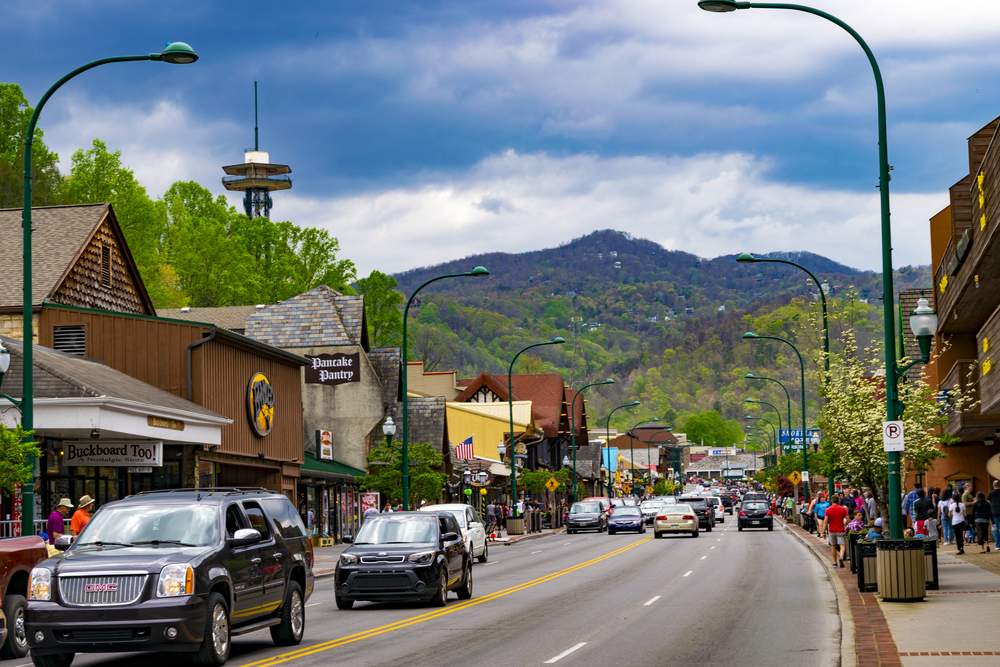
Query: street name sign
{"type": "Point", "coordinates": [892, 436]}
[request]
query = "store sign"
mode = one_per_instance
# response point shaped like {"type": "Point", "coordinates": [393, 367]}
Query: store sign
{"type": "Point", "coordinates": [260, 404]}
{"type": "Point", "coordinates": [163, 422]}
{"type": "Point", "coordinates": [324, 445]}
{"type": "Point", "coordinates": [333, 369]}
{"type": "Point", "coordinates": [113, 454]}
{"type": "Point", "coordinates": [724, 452]}
{"type": "Point", "coordinates": [369, 500]}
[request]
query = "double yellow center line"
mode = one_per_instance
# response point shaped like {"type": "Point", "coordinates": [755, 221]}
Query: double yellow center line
{"type": "Point", "coordinates": [367, 634]}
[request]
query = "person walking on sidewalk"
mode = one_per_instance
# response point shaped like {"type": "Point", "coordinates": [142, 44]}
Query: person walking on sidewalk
{"type": "Point", "coordinates": [836, 514]}
{"type": "Point", "coordinates": [922, 508]}
{"type": "Point", "coordinates": [957, 509]}
{"type": "Point", "coordinates": [908, 502]}
{"type": "Point", "coordinates": [944, 516]}
{"type": "Point", "coordinates": [982, 517]}
{"type": "Point", "coordinates": [821, 508]}
{"type": "Point", "coordinates": [994, 499]}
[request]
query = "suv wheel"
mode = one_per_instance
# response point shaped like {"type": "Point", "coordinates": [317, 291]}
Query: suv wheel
{"type": "Point", "coordinates": [485, 556]}
{"type": "Point", "coordinates": [293, 618]}
{"type": "Point", "coordinates": [56, 660]}
{"type": "Point", "coordinates": [465, 592]}
{"type": "Point", "coordinates": [344, 604]}
{"type": "Point", "coordinates": [441, 597]}
{"type": "Point", "coordinates": [16, 645]}
{"type": "Point", "coordinates": [215, 647]}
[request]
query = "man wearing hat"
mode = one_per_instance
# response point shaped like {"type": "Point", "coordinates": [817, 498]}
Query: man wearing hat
{"type": "Point", "coordinates": [81, 516]}
{"type": "Point", "coordinates": [875, 533]}
{"type": "Point", "coordinates": [55, 526]}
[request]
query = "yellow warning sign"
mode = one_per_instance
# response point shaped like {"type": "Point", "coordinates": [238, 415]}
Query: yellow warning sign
{"type": "Point", "coordinates": [795, 477]}
{"type": "Point", "coordinates": [552, 484]}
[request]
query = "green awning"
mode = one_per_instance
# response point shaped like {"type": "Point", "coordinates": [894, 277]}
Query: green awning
{"type": "Point", "coordinates": [312, 464]}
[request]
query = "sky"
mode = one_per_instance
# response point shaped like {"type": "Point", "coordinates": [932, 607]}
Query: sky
{"type": "Point", "coordinates": [421, 132]}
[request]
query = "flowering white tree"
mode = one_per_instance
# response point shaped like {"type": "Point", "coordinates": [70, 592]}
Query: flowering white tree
{"type": "Point", "coordinates": [855, 407]}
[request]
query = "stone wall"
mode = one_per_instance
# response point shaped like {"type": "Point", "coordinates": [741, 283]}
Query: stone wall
{"type": "Point", "coordinates": [11, 326]}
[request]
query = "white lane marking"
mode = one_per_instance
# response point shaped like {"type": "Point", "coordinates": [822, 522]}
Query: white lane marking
{"type": "Point", "coordinates": [308, 605]}
{"type": "Point", "coordinates": [704, 557]}
{"type": "Point", "coordinates": [492, 562]}
{"type": "Point", "coordinates": [567, 543]}
{"type": "Point", "coordinates": [646, 604]}
{"type": "Point", "coordinates": [719, 540]}
{"type": "Point", "coordinates": [688, 572]}
{"type": "Point", "coordinates": [591, 537]}
{"type": "Point", "coordinates": [565, 653]}
{"type": "Point", "coordinates": [534, 552]}
{"type": "Point", "coordinates": [711, 547]}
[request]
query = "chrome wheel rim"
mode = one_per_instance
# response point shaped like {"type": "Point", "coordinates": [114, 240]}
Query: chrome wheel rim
{"type": "Point", "coordinates": [220, 630]}
{"type": "Point", "coordinates": [298, 614]}
{"type": "Point", "coordinates": [468, 581]}
{"type": "Point", "coordinates": [20, 636]}
{"type": "Point", "coordinates": [444, 588]}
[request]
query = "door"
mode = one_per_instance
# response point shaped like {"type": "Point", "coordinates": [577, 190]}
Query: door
{"type": "Point", "coordinates": [272, 556]}
{"type": "Point", "coordinates": [477, 532]}
{"type": "Point", "coordinates": [452, 549]}
{"type": "Point", "coordinates": [244, 569]}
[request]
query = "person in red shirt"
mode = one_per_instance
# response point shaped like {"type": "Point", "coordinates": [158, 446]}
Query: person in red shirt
{"type": "Point", "coordinates": [836, 515]}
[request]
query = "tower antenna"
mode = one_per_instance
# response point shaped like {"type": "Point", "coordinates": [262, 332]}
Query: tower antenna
{"type": "Point", "coordinates": [256, 142]}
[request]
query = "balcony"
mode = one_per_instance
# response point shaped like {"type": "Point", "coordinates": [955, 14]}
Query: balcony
{"type": "Point", "coordinates": [970, 425]}
{"type": "Point", "coordinates": [987, 345]}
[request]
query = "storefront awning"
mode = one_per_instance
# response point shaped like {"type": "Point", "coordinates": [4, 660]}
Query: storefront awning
{"type": "Point", "coordinates": [313, 467]}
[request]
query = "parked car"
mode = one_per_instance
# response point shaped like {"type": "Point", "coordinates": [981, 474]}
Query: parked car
{"type": "Point", "coordinates": [18, 555]}
{"type": "Point", "coordinates": [404, 556]}
{"type": "Point", "coordinates": [706, 516]}
{"type": "Point", "coordinates": [183, 570]}
{"type": "Point", "coordinates": [717, 508]}
{"type": "Point", "coordinates": [649, 509]}
{"type": "Point", "coordinates": [473, 530]}
{"type": "Point", "coordinates": [755, 514]}
{"type": "Point", "coordinates": [678, 518]}
{"type": "Point", "coordinates": [586, 515]}
{"type": "Point", "coordinates": [626, 518]}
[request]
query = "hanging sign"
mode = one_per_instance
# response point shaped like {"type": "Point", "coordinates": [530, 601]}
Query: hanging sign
{"type": "Point", "coordinates": [260, 404]}
{"type": "Point", "coordinates": [113, 454]}
{"type": "Point", "coordinates": [333, 369]}
{"type": "Point", "coordinates": [324, 445]}
{"type": "Point", "coordinates": [892, 436]}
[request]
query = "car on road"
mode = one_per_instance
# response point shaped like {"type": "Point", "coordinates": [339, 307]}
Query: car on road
{"type": "Point", "coordinates": [605, 504]}
{"type": "Point", "coordinates": [755, 514]}
{"type": "Point", "coordinates": [182, 571]}
{"type": "Point", "coordinates": [586, 515]}
{"type": "Point", "coordinates": [754, 495]}
{"type": "Point", "coordinates": [677, 518]}
{"type": "Point", "coordinates": [728, 501]}
{"type": "Point", "coordinates": [473, 530]}
{"type": "Point", "coordinates": [404, 556]}
{"type": "Point", "coordinates": [18, 556]}
{"type": "Point", "coordinates": [704, 511]}
{"type": "Point", "coordinates": [649, 509]}
{"type": "Point", "coordinates": [626, 518]}
{"type": "Point", "coordinates": [717, 508]}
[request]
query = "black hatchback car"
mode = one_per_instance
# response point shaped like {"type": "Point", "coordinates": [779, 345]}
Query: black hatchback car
{"type": "Point", "coordinates": [755, 514]}
{"type": "Point", "coordinates": [183, 570]}
{"type": "Point", "coordinates": [705, 512]}
{"type": "Point", "coordinates": [405, 556]}
{"type": "Point", "coordinates": [587, 515]}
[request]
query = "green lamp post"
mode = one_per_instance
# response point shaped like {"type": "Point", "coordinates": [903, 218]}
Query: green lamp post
{"type": "Point", "coordinates": [892, 371]}
{"type": "Point", "coordinates": [788, 397]}
{"type": "Point", "coordinates": [631, 449]}
{"type": "Point", "coordinates": [754, 400]}
{"type": "Point", "coordinates": [478, 272]}
{"type": "Point", "coordinates": [774, 439]}
{"type": "Point", "coordinates": [510, 404]}
{"type": "Point", "coordinates": [572, 423]}
{"type": "Point", "coordinates": [607, 439]}
{"type": "Point", "coordinates": [177, 53]}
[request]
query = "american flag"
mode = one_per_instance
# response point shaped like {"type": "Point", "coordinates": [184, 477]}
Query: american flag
{"type": "Point", "coordinates": [463, 450]}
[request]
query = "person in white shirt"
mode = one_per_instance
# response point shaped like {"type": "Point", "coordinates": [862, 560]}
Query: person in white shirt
{"type": "Point", "coordinates": [957, 509]}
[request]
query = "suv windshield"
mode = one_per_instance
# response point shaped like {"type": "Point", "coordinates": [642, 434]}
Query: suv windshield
{"type": "Point", "coordinates": [127, 525]}
{"type": "Point", "coordinates": [398, 531]}
{"type": "Point", "coordinates": [585, 508]}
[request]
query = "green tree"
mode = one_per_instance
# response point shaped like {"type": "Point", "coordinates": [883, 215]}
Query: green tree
{"type": "Point", "coordinates": [710, 428]}
{"type": "Point", "coordinates": [47, 184]}
{"type": "Point", "coordinates": [385, 476]}
{"type": "Point", "coordinates": [382, 309]}
{"type": "Point", "coordinates": [13, 457]}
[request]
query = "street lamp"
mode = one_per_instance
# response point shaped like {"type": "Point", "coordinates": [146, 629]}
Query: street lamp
{"type": "Point", "coordinates": [510, 404]}
{"type": "Point", "coordinates": [754, 400]}
{"type": "Point", "coordinates": [892, 371]}
{"type": "Point", "coordinates": [478, 272]}
{"type": "Point", "coordinates": [572, 423]}
{"type": "Point", "coordinates": [774, 441]}
{"type": "Point", "coordinates": [788, 398]}
{"type": "Point", "coordinates": [923, 324]}
{"type": "Point", "coordinates": [607, 439]}
{"type": "Point", "coordinates": [467, 479]}
{"type": "Point", "coordinates": [389, 429]}
{"type": "Point", "coordinates": [631, 450]}
{"type": "Point", "coordinates": [177, 53]}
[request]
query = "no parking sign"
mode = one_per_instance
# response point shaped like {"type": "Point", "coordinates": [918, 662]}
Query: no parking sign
{"type": "Point", "coordinates": [892, 436]}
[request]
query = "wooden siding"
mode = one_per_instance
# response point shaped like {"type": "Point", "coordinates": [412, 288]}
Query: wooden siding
{"type": "Point", "coordinates": [961, 206]}
{"type": "Point", "coordinates": [220, 378]}
{"type": "Point", "coordinates": [979, 143]}
{"type": "Point", "coordinates": [83, 285]}
{"type": "Point", "coordinates": [988, 346]}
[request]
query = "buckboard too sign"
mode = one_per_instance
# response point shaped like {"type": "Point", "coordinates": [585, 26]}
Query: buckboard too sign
{"type": "Point", "coordinates": [333, 369]}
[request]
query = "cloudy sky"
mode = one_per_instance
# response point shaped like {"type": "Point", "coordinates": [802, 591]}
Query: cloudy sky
{"type": "Point", "coordinates": [418, 132]}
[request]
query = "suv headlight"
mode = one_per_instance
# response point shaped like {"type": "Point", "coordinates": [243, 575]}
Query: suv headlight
{"type": "Point", "coordinates": [422, 558]}
{"type": "Point", "coordinates": [348, 559]}
{"type": "Point", "coordinates": [175, 580]}
{"type": "Point", "coordinates": [40, 584]}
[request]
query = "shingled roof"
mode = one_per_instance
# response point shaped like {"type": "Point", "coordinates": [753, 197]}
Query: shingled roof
{"type": "Point", "coordinates": [233, 318]}
{"type": "Point", "coordinates": [546, 391]}
{"type": "Point", "coordinates": [317, 318]}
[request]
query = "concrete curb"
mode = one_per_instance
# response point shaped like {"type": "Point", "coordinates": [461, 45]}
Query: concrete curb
{"type": "Point", "coordinates": [848, 651]}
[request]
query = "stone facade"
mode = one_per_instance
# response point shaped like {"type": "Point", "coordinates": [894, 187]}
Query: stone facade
{"type": "Point", "coordinates": [11, 325]}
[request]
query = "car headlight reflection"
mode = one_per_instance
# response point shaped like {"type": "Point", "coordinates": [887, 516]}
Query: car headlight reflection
{"type": "Point", "coordinates": [348, 559]}
{"type": "Point", "coordinates": [40, 584]}
{"type": "Point", "coordinates": [422, 558]}
{"type": "Point", "coordinates": [175, 580]}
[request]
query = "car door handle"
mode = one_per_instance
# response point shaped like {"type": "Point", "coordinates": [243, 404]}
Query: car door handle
{"type": "Point", "coordinates": [279, 556]}
{"type": "Point", "coordinates": [255, 560]}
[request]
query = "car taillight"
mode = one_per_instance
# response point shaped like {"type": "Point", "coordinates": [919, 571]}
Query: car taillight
{"type": "Point", "coordinates": [688, 517]}
{"type": "Point", "coordinates": [768, 513]}
{"type": "Point", "coordinates": [661, 518]}
{"type": "Point", "coordinates": [741, 513]}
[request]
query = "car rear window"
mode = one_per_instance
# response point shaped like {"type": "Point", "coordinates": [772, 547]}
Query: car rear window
{"type": "Point", "coordinates": [694, 502]}
{"type": "Point", "coordinates": [755, 506]}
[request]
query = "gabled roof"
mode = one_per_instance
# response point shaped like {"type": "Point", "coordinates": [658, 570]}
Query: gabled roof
{"type": "Point", "coordinates": [317, 318]}
{"type": "Point", "coordinates": [546, 391]}
{"type": "Point", "coordinates": [233, 318]}
{"type": "Point", "coordinates": [61, 233]}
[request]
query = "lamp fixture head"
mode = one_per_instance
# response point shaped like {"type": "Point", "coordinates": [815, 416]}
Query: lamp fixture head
{"type": "Point", "coordinates": [608, 381]}
{"type": "Point", "coordinates": [750, 376]}
{"type": "Point", "coordinates": [501, 449]}
{"type": "Point", "coordinates": [750, 334]}
{"type": "Point", "coordinates": [558, 340]}
{"type": "Point", "coordinates": [467, 476]}
{"type": "Point", "coordinates": [923, 320]}
{"type": "Point", "coordinates": [483, 476]}
{"type": "Point", "coordinates": [636, 403]}
{"type": "Point", "coordinates": [743, 257]}
{"type": "Point", "coordinates": [389, 427]}
{"type": "Point", "coordinates": [565, 461]}
{"type": "Point", "coordinates": [4, 360]}
{"type": "Point", "coordinates": [178, 53]}
{"type": "Point", "coordinates": [722, 6]}
{"type": "Point", "coordinates": [479, 271]}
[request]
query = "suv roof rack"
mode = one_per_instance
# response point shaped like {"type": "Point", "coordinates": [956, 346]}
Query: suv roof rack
{"type": "Point", "coordinates": [211, 489]}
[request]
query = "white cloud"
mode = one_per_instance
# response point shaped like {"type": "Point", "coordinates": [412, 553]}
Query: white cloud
{"type": "Point", "coordinates": [707, 204]}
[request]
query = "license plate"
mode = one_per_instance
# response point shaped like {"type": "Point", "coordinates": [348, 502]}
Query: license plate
{"type": "Point", "coordinates": [675, 525]}
{"type": "Point", "coordinates": [755, 522]}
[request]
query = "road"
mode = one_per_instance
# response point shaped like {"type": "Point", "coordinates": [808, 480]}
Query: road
{"type": "Point", "coordinates": [724, 598]}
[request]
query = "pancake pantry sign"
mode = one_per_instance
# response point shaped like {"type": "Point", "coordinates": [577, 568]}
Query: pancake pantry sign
{"type": "Point", "coordinates": [333, 369]}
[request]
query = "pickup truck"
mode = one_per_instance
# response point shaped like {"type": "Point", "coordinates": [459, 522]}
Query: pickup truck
{"type": "Point", "coordinates": [18, 555]}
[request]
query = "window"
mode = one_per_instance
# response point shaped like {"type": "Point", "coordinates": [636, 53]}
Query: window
{"type": "Point", "coordinates": [105, 266]}
{"type": "Point", "coordinates": [70, 339]}
{"type": "Point", "coordinates": [286, 521]}
{"type": "Point", "coordinates": [257, 520]}
{"type": "Point", "coordinates": [234, 520]}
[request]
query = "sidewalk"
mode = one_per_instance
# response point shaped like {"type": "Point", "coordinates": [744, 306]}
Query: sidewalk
{"type": "Point", "coordinates": [325, 558]}
{"type": "Point", "coordinates": [952, 627]}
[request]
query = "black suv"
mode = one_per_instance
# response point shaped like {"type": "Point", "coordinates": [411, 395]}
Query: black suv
{"type": "Point", "coordinates": [405, 556]}
{"type": "Point", "coordinates": [705, 512]}
{"type": "Point", "coordinates": [728, 500]}
{"type": "Point", "coordinates": [182, 570]}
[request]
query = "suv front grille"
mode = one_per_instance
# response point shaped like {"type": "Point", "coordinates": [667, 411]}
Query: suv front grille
{"type": "Point", "coordinates": [102, 590]}
{"type": "Point", "coordinates": [377, 582]}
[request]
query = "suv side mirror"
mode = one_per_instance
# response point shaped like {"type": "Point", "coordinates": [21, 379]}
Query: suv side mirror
{"type": "Point", "coordinates": [244, 537]}
{"type": "Point", "coordinates": [347, 539]}
{"type": "Point", "coordinates": [449, 537]}
{"type": "Point", "coordinates": [63, 542]}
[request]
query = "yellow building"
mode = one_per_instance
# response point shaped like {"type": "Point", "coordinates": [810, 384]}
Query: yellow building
{"type": "Point", "coordinates": [487, 423]}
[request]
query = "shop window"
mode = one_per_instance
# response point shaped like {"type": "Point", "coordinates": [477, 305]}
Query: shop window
{"type": "Point", "coordinates": [257, 520]}
{"type": "Point", "coordinates": [206, 474]}
{"type": "Point", "coordinates": [70, 339]}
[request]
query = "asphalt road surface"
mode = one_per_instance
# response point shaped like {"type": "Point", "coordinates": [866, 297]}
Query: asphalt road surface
{"type": "Point", "coordinates": [724, 598]}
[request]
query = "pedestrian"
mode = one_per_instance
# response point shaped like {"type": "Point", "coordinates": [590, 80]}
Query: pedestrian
{"type": "Point", "coordinates": [834, 519]}
{"type": "Point", "coordinates": [933, 529]}
{"type": "Point", "coordinates": [875, 532]}
{"type": "Point", "coordinates": [857, 525]}
{"type": "Point", "coordinates": [908, 501]}
{"type": "Point", "coordinates": [811, 514]}
{"type": "Point", "coordinates": [491, 514]}
{"type": "Point", "coordinates": [957, 509]}
{"type": "Point", "coordinates": [922, 510]}
{"type": "Point", "coordinates": [387, 509]}
{"type": "Point", "coordinates": [944, 516]}
{"type": "Point", "coordinates": [994, 499]}
{"type": "Point", "coordinates": [821, 508]}
{"type": "Point", "coordinates": [81, 516]}
{"type": "Point", "coordinates": [369, 513]}
{"type": "Point", "coordinates": [56, 525]}
{"type": "Point", "coordinates": [789, 507]}
{"type": "Point", "coordinates": [982, 517]}
{"type": "Point", "coordinates": [870, 504]}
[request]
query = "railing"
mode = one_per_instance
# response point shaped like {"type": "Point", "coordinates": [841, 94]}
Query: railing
{"type": "Point", "coordinates": [7, 528]}
{"type": "Point", "coordinates": [260, 177]}
{"type": "Point", "coordinates": [963, 374]}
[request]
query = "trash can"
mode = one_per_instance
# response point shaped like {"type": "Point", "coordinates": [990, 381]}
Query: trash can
{"type": "Point", "coordinates": [536, 522]}
{"type": "Point", "coordinates": [867, 553]}
{"type": "Point", "coordinates": [515, 526]}
{"type": "Point", "coordinates": [931, 565]}
{"type": "Point", "coordinates": [901, 570]}
{"type": "Point", "coordinates": [852, 543]}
